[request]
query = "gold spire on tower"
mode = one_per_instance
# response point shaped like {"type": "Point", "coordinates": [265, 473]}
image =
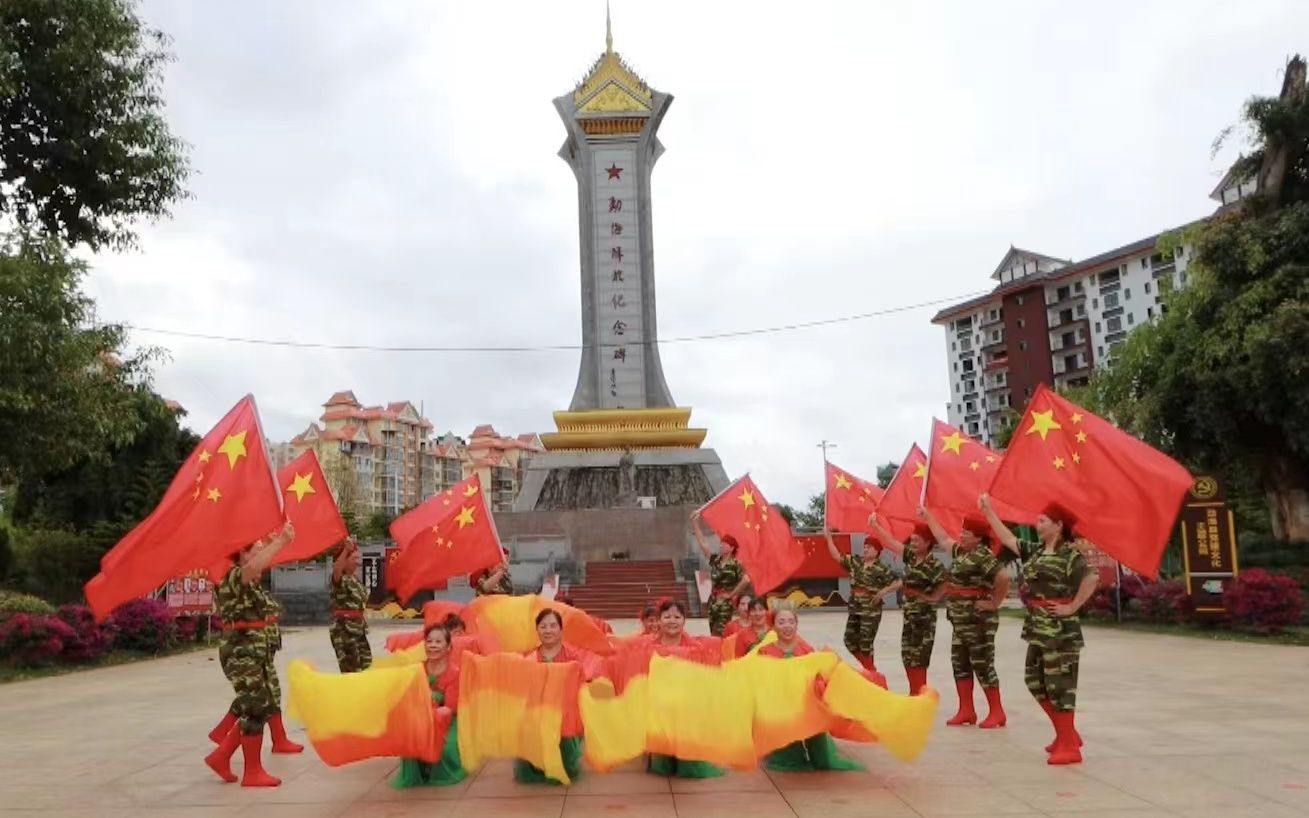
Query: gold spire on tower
{"type": "Point", "coordinates": [610, 86]}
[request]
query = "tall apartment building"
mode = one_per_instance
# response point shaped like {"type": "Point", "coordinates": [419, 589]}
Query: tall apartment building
{"type": "Point", "coordinates": [387, 449]}
{"type": "Point", "coordinates": [499, 463]}
{"type": "Point", "coordinates": [1050, 320]}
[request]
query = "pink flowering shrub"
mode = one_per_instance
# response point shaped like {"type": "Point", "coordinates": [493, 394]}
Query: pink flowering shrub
{"type": "Point", "coordinates": [34, 640]}
{"type": "Point", "coordinates": [143, 625]}
{"type": "Point", "coordinates": [90, 639]}
{"type": "Point", "coordinates": [1262, 601]}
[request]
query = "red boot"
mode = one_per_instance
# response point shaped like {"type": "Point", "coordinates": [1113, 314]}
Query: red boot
{"type": "Point", "coordinates": [255, 775]}
{"type": "Point", "coordinates": [865, 661]}
{"type": "Point", "coordinates": [280, 743]}
{"type": "Point", "coordinates": [917, 677]}
{"type": "Point", "coordinates": [966, 714]}
{"type": "Point", "coordinates": [996, 717]}
{"type": "Point", "coordinates": [1050, 711]}
{"type": "Point", "coordinates": [220, 760]}
{"type": "Point", "coordinates": [224, 727]}
{"type": "Point", "coordinates": [1065, 749]}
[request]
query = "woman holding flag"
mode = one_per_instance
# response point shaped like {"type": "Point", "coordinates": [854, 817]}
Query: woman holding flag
{"type": "Point", "coordinates": [443, 680]}
{"type": "Point", "coordinates": [1057, 582]}
{"type": "Point", "coordinates": [975, 587]}
{"type": "Point", "coordinates": [495, 580]}
{"type": "Point", "coordinates": [924, 581]}
{"type": "Point", "coordinates": [871, 581]}
{"type": "Point", "coordinates": [349, 632]}
{"type": "Point", "coordinates": [243, 654]}
{"type": "Point", "coordinates": [726, 574]}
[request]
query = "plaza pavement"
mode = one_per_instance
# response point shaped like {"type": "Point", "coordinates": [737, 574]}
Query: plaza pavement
{"type": "Point", "coordinates": [1173, 726]}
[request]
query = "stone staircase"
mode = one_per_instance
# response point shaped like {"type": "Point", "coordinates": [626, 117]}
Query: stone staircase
{"type": "Point", "coordinates": [618, 589]}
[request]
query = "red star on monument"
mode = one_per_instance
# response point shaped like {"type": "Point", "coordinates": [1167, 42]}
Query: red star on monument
{"type": "Point", "coordinates": [614, 172]}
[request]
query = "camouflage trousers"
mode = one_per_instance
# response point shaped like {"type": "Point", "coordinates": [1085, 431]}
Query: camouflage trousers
{"type": "Point", "coordinates": [918, 635]}
{"type": "Point", "coordinates": [720, 613]}
{"type": "Point", "coordinates": [350, 641]}
{"type": "Point", "coordinates": [1051, 673]}
{"type": "Point", "coordinates": [248, 665]}
{"type": "Point", "coordinates": [861, 625]}
{"type": "Point", "coordinates": [972, 645]}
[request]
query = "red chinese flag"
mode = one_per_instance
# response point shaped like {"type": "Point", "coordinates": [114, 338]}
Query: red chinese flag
{"type": "Point", "coordinates": [448, 535]}
{"type": "Point", "coordinates": [223, 498]}
{"type": "Point", "coordinates": [959, 470]}
{"type": "Point", "coordinates": [850, 500]}
{"type": "Point", "coordinates": [310, 507]}
{"type": "Point", "coordinates": [898, 507]}
{"type": "Point", "coordinates": [764, 544]}
{"type": "Point", "coordinates": [1123, 494]}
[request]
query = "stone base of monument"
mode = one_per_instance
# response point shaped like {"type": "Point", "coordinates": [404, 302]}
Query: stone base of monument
{"type": "Point", "coordinates": [598, 504]}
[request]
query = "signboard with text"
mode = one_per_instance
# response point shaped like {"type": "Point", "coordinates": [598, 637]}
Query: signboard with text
{"type": "Point", "coordinates": [190, 595]}
{"type": "Point", "coordinates": [1208, 544]}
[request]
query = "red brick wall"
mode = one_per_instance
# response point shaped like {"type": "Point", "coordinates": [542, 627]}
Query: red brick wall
{"type": "Point", "coordinates": [1031, 366]}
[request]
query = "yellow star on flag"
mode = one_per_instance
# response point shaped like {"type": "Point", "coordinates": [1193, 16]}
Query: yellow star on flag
{"type": "Point", "coordinates": [465, 517]}
{"type": "Point", "coordinates": [841, 482]}
{"type": "Point", "coordinates": [445, 542]}
{"type": "Point", "coordinates": [234, 447]}
{"type": "Point", "coordinates": [921, 471]}
{"type": "Point", "coordinates": [205, 456]}
{"type": "Point", "coordinates": [302, 485]}
{"type": "Point", "coordinates": [470, 490]}
{"type": "Point", "coordinates": [1043, 422]}
{"type": "Point", "coordinates": [214, 495]}
{"type": "Point", "coordinates": [1058, 462]}
{"type": "Point", "coordinates": [1077, 458]}
{"type": "Point", "coordinates": [1081, 436]}
{"type": "Point", "coordinates": [953, 443]}
{"type": "Point", "coordinates": [990, 458]}
{"type": "Point", "coordinates": [746, 498]}
{"type": "Point", "coordinates": [1077, 417]}
{"type": "Point", "coordinates": [974, 465]}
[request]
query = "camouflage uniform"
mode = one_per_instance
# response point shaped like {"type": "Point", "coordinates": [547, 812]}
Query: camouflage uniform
{"type": "Point", "coordinates": [921, 578]}
{"type": "Point", "coordinates": [868, 575]}
{"type": "Point", "coordinates": [725, 572]}
{"type": "Point", "coordinates": [349, 631]}
{"type": "Point", "coordinates": [972, 643]}
{"type": "Point", "coordinates": [273, 633]}
{"type": "Point", "coordinates": [1053, 644]}
{"type": "Point", "coordinates": [504, 586]}
{"type": "Point", "coordinates": [243, 652]}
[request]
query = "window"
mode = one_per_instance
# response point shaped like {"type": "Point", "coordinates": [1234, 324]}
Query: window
{"type": "Point", "coordinates": [971, 406]}
{"type": "Point", "coordinates": [1027, 393]}
{"type": "Point", "coordinates": [970, 385]}
{"type": "Point", "coordinates": [1081, 310]}
{"type": "Point", "coordinates": [1095, 303]}
{"type": "Point", "coordinates": [1143, 263]}
{"type": "Point", "coordinates": [956, 366]}
{"type": "Point", "coordinates": [953, 346]}
{"type": "Point", "coordinates": [1099, 351]}
{"type": "Point", "coordinates": [968, 365]}
{"type": "Point", "coordinates": [1091, 278]}
{"type": "Point", "coordinates": [1147, 287]}
{"type": "Point", "coordinates": [1077, 287]}
{"type": "Point", "coordinates": [1022, 345]}
{"type": "Point", "coordinates": [1149, 312]}
{"type": "Point", "coordinates": [1115, 324]}
{"type": "Point", "coordinates": [1111, 301]}
{"type": "Point", "coordinates": [1127, 293]}
{"type": "Point", "coordinates": [1018, 300]}
{"type": "Point", "coordinates": [1021, 323]}
{"type": "Point", "coordinates": [1182, 276]}
{"type": "Point", "coordinates": [1131, 319]}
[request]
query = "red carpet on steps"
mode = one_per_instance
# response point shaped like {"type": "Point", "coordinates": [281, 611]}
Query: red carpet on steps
{"type": "Point", "coordinates": [620, 588]}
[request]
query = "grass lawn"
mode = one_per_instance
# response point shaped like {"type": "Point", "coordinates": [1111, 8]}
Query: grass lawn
{"type": "Point", "coordinates": [9, 673]}
{"type": "Point", "coordinates": [1297, 635]}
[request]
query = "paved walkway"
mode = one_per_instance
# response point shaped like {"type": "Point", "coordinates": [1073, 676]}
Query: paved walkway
{"type": "Point", "coordinates": [1173, 727]}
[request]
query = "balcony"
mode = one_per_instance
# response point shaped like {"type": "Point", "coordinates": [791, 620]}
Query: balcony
{"type": "Point", "coordinates": [1111, 287]}
{"type": "Point", "coordinates": [1065, 320]}
{"type": "Point", "coordinates": [996, 364]}
{"type": "Point", "coordinates": [1115, 337]}
{"type": "Point", "coordinates": [992, 345]}
{"type": "Point", "coordinates": [991, 322]}
{"type": "Point", "coordinates": [1070, 300]}
{"type": "Point", "coordinates": [1060, 344]}
{"type": "Point", "coordinates": [1000, 386]}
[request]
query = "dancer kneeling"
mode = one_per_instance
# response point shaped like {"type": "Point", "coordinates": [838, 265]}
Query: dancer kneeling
{"type": "Point", "coordinates": [443, 679]}
{"type": "Point", "coordinates": [816, 752]}
{"type": "Point", "coordinates": [550, 630]}
{"type": "Point", "coordinates": [672, 634]}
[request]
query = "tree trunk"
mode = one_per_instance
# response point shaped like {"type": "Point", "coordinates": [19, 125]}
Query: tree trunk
{"type": "Point", "coordinates": [1286, 487]}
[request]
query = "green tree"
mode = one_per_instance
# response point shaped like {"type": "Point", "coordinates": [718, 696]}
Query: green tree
{"type": "Point", "coordinates": [84, 148]}
{"type": "Point", "coordinates": [788, 513]}
{"type": "Point", "coordinates": [1005, 432]}
{"type": "Point", "coordinates": [813, 516]}
{"type": "Point", "coordinates": [886, 473]}
{"type": "Point", "coordinates": [1222, 379]}
{"type": "Point", "coordinates": [64, 393]}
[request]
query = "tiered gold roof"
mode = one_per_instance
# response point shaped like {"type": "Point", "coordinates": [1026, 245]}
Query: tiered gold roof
{"type": "Point", "coordinates": [611, 87]}
{"type": "Point", "coordinates": [617, 429]}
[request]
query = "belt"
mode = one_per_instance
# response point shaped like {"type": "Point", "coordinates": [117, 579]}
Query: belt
{"type": "Point", "coordinates": [253, 625]}
{"type": "Point", "coordinates": [1046, 602]}
{"type": "Point", "coordinates": [348, 613]}
{"type": "Point", "coordinates": [914, 593]}
{"type": "Point", "coordinates": [719, 592]}
{"type": "Point", "coordinates": [967, 593]}
{"type": "Point", "coordinates": [860, 592]}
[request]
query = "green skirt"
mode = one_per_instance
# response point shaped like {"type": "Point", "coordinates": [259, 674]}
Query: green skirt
{"type": "Point", "coordinates": [571, 750]}
{"type": "Point", "coordinates": [449, 770]}
{"type": "Point", "coordinates": [682, 768]}
{"type": "Point", "coordinates": [814, 753]}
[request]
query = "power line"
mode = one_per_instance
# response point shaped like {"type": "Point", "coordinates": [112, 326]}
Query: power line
{"type": "Point", "coordinates": [714, 336]}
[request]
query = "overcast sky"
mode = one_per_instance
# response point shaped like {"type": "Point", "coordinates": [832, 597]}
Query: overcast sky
{"type": "Point", "coordinates": [385, 174]}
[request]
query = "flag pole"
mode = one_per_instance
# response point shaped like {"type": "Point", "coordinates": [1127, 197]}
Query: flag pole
{"type": "Point", "coordinates": [927, 475]}
{"type": "Point", "coordinates": [263, 444]}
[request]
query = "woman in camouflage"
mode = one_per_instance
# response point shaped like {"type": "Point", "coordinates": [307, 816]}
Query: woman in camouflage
{"type": "Point", "coordinates": [725, 573]}
{"type": "Point", "coordinates": [1057, 582]}
{"type": "Point", "coordinates": [975, 587]}
{"type": "Point", "coordinates": [495, 580]}
{"type": "Point", "coordinates": [243, 653]}
{"type": "Point", "coordinates": [924, 582]}
{"type": "Point", "coordinates": [871, 581]}
{"type": "Point", "coordinates": [349, 633]}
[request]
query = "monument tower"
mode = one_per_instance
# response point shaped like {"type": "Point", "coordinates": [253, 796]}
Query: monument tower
{"type": "Point", "coordinates": [622, 436]}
